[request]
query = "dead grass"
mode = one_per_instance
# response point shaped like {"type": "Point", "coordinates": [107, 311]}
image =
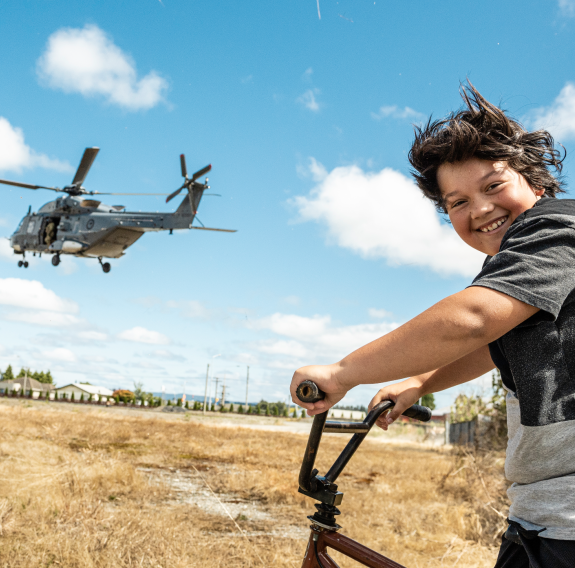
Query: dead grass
{"type": "Point", "coordinates": [75, 493]}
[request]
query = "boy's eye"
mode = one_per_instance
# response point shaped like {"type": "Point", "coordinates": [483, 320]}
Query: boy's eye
{"type": "Point", "coordinates": [456, 203]}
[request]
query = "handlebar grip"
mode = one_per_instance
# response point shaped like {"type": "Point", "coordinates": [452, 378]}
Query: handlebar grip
{"type": "Point", "coordinates": [418, 412]}
{"type": "Point", "coordinates": [308, 391]}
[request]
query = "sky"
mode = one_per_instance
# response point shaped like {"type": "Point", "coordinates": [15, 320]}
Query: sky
{"type": "Point", "coordinates": [306, 111]}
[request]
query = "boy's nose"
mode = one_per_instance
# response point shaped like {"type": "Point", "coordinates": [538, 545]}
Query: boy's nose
{"type": "Point", "coordinates": [481, 207]}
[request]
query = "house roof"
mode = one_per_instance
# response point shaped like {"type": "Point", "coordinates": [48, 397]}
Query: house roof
{"type": "Point", "coordinates": [90, 389]}
{"type": "Point", "coordinates": [27, 383]}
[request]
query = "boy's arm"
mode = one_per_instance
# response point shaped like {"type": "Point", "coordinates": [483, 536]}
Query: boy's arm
{"type": "Point", "coordinates": [446, 332]}
{"type": "Point", "coordinates": [408, 392]}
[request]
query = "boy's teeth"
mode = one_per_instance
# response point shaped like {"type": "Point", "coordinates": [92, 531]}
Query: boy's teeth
{"type": "Point", "coordinates": [494, 225]}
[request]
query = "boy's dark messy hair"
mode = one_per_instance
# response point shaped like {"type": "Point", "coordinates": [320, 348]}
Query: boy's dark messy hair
{"type": "Point", "coordinates": [483, 131]}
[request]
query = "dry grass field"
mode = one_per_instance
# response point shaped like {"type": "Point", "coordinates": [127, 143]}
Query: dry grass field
{"type": "Point", "coordinates": [100, 489]}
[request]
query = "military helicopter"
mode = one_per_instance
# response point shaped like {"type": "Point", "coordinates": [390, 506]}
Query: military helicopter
{"type": "Point", "coordinates": [77, 224]}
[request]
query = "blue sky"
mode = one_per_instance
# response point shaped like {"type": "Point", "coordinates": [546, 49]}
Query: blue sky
{"type": "Point", "coordinates": [307, 123]}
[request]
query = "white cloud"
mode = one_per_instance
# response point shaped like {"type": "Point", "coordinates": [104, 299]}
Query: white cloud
{"type": "Point", "coordinates": [313, 338]}
{"type": "Point", "coordinates": [396, 112]}
{"type": "Point", "coordinates": [567, 7]}
{"type": "Point", "coordinates": [31, 294]}
{"type": "Point", "coordinates": [87, 61]}
{"type": "Point", "coordinates": [378, 314]}
{"type": "Point", "coordinates": [559, 117]}
{"type": "Point", "coordinates": [190, 309]}
{"type": "Point", "coordinates": [163, 354]}
{"type": "Point", "coordinates": [143, 335]}
{"type": "Point", "coordinates": [383, 214]}
{"type": "Point", "coordinates": [44, 318]}
{"type": "Point", "coordinates": [292, 300]}
{"type": "Point", "coordinates": [308, 100]}
{"type": "Point", "coordinates": [59, 354]}
{"type": "Point", "coordinates": [16, 155]}
{"type": "Point", "coordinates": [307, 74]}
{"type": "Point", "coordinates": [93, 335]}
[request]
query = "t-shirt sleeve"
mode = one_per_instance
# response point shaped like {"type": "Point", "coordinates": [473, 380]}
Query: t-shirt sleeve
{"type": "Point", "coordinates": [536, 265]}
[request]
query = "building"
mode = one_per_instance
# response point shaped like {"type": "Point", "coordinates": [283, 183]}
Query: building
{"type": "Point", "coordinates": [90, 392]}
{"type": "Point", "coordinates": [23, 385]}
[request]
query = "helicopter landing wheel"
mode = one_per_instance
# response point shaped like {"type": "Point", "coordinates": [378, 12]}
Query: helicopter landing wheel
{"type": "Point", "coordinates": [56, 260]}
{"type": "Point", "coordinates": [25, 264]}
{"type": "Point", "coordinates": [20, 263]}
{"type": "Point", "coordinates": [106, 267]}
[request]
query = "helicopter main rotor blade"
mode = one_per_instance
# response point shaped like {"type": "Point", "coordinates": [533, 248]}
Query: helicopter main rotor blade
{"type": "Point", "coordinates": [183, 164]}
{"type": "Point", "coordinates": [105, 193]}
{"type": "Point", "coordinates": [201, 172]}
{"type": "Point", "coordinates": [85, 165]}
{"type": "Point", "coordinates": [210, 229]}
{"type": "Point", "coordinates": [28, 186]}
{"type": "Point", "coordinates": [175, 193]}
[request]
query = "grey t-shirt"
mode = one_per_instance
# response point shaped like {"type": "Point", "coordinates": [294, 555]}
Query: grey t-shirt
{"type": "Point", "coordinates": [536, 264]}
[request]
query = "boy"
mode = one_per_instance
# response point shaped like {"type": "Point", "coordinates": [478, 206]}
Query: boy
{"type": "Point", "coordinates": [493, 180]}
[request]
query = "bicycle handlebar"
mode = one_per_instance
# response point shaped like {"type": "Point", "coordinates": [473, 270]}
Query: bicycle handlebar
{"type": "Point", "coordinates": [323, 488]}
{"type": "Point", "coordinates": [308, 391]}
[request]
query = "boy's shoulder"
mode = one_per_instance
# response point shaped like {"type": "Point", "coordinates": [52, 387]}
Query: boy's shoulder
{"type": "Point", "coordinates": [551, 207]}
{"type": "Point", "coordinates": [548, 213]}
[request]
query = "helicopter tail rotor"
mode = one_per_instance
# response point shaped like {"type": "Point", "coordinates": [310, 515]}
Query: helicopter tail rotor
{"type": "Point", "coordinates": [189, 183]}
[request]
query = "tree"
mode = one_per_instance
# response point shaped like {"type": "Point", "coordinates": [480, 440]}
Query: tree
{"type": "Point", "coordinates": [139, 393]}
{"type": "Point", "coordinates": [213, 407]}
{"type": "Point", "coordinates": [467, 408]}
{"type": "Point", "coordinates": [8, 374]}
{"type": "Point", "coordinates": [286, 412]}
{"type": "Point", "coordinates": [303, 413]}
{"type": "Point", "coordinates": [73, 397]}
{"type": "Point", "coordinates": [249, 409]}
{"type": "Point", "coordinates": [241, 409]}
{"type": "Point", "coordinates": [428, 400]}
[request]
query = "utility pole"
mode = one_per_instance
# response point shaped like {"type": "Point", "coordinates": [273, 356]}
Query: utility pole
{"type": "Point", "coordinates": [224, 395]}
{"type": "Point", "coordinates": [247, 383]}
{"type": "Point", "coordinates": [206, 391]}
{"type": "Point", "coordinates": [216, 393]}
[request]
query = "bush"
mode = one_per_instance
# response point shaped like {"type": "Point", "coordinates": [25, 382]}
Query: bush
{"type": "Point", "coordinates": [213, 407]}
{"type": "Point", "coordinates": [82, 397]}
{"type": "Point", "coordinates": [428, 400]}
{"type": "Point", "coordinates": [275, 411]}
{"type": "Point", "coordinates": [187, 405]}
{"type": "Point", "coordinates": [240, 409]}
{"type": "Point", "coordinates": [286, 412]}
{"type": "Point", "coordinates": [73, 397]}
{"type": "Point", "coordinates": [222, 408]}
{"type": "Point", "coordinates": [249, 409]}
{"type": "Point", "coordinates": [303, 413]}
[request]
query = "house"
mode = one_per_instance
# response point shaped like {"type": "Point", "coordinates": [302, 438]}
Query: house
{"type": "Point", "coordinates": [23, 385]}
{"type": "Point", "coordinates": [90, 392]}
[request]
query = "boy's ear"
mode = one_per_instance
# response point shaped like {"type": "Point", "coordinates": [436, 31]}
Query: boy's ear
{"type": "Point", "coordinates": [539, 191]}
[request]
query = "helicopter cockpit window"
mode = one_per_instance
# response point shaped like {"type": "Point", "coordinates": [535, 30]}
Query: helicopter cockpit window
{"type": "Point", "coordinates": [31, 226]}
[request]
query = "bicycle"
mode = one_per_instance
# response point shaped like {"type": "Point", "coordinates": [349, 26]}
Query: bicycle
{"type": "Point", "coordinates": [324, 529]}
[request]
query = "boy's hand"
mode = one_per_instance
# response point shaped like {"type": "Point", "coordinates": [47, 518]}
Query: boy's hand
{"type": "Point", "coordinates": [404, 394]}
{"type": "Point", "coordinates": [325, 377]}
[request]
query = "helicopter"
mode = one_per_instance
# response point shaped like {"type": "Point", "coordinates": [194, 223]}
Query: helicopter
{"type": "Point", "coordinates": [79, 225]}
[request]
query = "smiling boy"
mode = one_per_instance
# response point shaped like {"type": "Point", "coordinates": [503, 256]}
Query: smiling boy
{"type": "Point", "coordinates": [493, 179]}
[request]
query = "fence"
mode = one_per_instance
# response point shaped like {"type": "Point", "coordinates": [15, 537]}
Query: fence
{"type": "Point", "coordinates": [461, 433]}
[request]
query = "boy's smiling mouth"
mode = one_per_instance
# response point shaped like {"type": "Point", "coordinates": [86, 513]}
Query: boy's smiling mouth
{"type": "Point", "coordinates": [493, 225]}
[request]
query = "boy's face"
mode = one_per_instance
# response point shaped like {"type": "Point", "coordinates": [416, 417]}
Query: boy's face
{"type": "Point", "coordinates": [483, 198]}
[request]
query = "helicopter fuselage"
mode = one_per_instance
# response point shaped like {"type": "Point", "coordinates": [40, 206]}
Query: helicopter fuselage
{"type": "Point", "coordinates": [87, 227]}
